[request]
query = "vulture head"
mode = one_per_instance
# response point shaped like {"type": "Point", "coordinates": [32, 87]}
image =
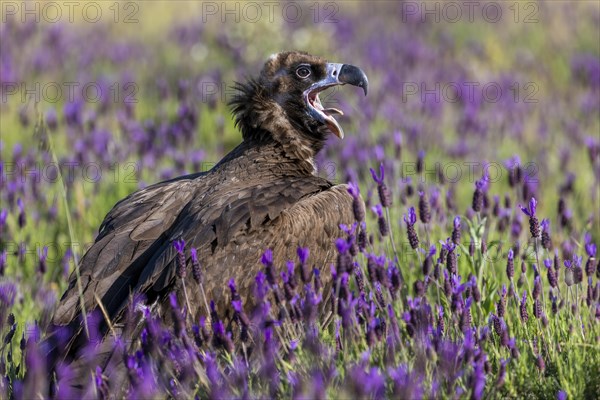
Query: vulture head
{"type": "Point", "coordinates": [283, 104]}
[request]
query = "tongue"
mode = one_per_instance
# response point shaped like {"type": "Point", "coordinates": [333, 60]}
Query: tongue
{"type": "Point", "coordinates": [334, 127]}
{"type": "Point", "coordinates": [330, 111]}
{"type": "Point", "coordinates": [331, 123]}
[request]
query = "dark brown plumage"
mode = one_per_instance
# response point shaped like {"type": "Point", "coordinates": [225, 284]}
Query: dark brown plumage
{"type": "Point", "coordinates": [263, 194]}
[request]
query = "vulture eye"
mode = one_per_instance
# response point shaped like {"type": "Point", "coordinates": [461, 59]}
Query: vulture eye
{"type": "Point", "coordinates": [303, 71]}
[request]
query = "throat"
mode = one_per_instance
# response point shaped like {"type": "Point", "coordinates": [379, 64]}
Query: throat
{"type": "Point", "coordinates": [264, 123]}
{"type": "Point", "coordinates": [290, 141]}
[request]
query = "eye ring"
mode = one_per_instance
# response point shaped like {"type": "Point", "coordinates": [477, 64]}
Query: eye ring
{"type": "Point", "coordinates": [303, 72]}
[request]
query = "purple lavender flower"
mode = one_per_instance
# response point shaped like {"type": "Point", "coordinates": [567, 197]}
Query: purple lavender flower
{"type": "Point", "coordinates": [441, 324]}
{"type": "Point", "coordinates": [221, 339]}
{"type": "Point", "coordinates": [450, 200]}
{"type": "Point", "coordinates": [451, 258]}
{"type": "Point", "coordinates": [534, 226]}
{"type": "Point", "coordinates": [379, 295]}
{"type": "Point", "coordinates": [424, 208]}
{"type": "Point", "coordinates": [481, 186]}
{"type": "Point", "coordinates": [384, 229]}
{"type": "Point", "coordinates": [514, 350]}
{"type": "Point", "coordinates": [290, 281]}
{"type": "Point", "coordinates": [22, 219]}
{"type": "Point", "coordinates": [590, 249]}
{"type": "Point", "coordinates": [358, 207]}
{"type": "Point", "coordinates": [510, 264]}
{"type": "Point", "coordinates": [260, 287]}
{"type": "Point", "coordinates": [501, 373]}
{"type": "Point", "coordinates": [51, 119]}
{"type": "Point", "coordinates": [372, 268]}
{"type": "Point", "coordinates": [3, 217]}
{"type": "Point", "coordinates": [420, 161]}
{"type": "Point", "coordinates": [361, 239]}
{"type": "Point", "coordinates": [428, 261]}
{"type": "Point", "coordinates": [410, 221]}
{"type": "Point", "coordinates": [540, 364]}
{"type": "Point", "coordinates": [477, 381]}
{"type": "Point", "coordinates": [474, 288]}
{"type": "Point", "coordinates": [344, 260]}
{"type": "Point", "coordinates": [3, 257]}
{"type": "Point", "coordinates": [196, 269]}
{"type": "Point", "coordinates": [585, 68]}
{"type": "Point", "coordinates": [98, 378]}
{"type": "Point", "coordinates": [537, 287]}
{"type": "Point", "coordinates": [213, 374]}
{"type": "Point", "coordinates": [447, 284]}
{"type": "Point", "coordinates": [456, 231]}
{"type": "Point", "coordinates": [409, 188]}
{"type": "Point", "coordinates": [303, 253]}
{"type": "Point", "coordinates": [551, 273]}
{"type": "Point", "coordinates": [501, 304]}
{"type": "Point", "coordinates": [565, 218]}
{"type": "Point", "coordinates": [496, 207]}
{"type": "Point", "coordinates": [73, 112]}
{"type": "Point", "coordinates": [537, 308]}
{"type": "Point", "coordinates": [523, 308]}
{"type": "Point", "coordinates": [496, 323]}
{"type": "Point", "coordinates": [267, 261]}
{"type": "Point", "coordinates": [472, 248]}
{"type": "Point", "coordinates": [546, 239]}
{"type": "Point", "coordinates": [515, 173]}
{"type": "Point", "coordinates": [578, 271]}
{"type": "Point", "coordinates": [395, 331]}
{"type": "Point", "coordinates": [419, 288]}
{"type": "Point", "coordinates": [572, 270]}
{"type": "Point", "coordinates": [176, 314]}
{"type": "Point", "coordinates": [233, 289]}
{"type": "Point", "coordinates": [10, 321]}
{"type": "Point", "coordinates": [42, 256]}
{"type": "Point", "coordinates": [267, 257]}
{"type": "Point", "coordinates": [350, 231]}
{"type": "Point", "coordinates": [593, 147]}
{"type": "Point", "coordinates": [181, 264]}
{"type": "Point", "coordinates": [465, 321]}
{"type": "Point", "coordinates": [395, 279]}
{"type": "Point", "coordinates": [385, 198]}
{"type": "Point", "coordinates": [241, 317]}
{"type": "Point", "coordinates": [318, 284]}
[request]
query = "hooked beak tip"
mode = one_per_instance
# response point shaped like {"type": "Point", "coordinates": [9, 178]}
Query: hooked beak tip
{"type": "Point", "coordinates": [353, 76]}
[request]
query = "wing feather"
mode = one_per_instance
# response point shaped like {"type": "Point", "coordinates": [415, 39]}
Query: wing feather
{"type": "Point", "coordinates": [231, 222]}
{"type": "Point", "coordinates": [127, 232]}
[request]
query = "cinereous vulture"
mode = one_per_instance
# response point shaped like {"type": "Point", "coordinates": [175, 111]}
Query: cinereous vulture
{"type": "Point", "coordinates": [264, 194]}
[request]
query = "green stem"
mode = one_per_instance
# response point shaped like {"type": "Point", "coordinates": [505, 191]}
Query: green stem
{"type": "Point", "coordinates": [63, 193]}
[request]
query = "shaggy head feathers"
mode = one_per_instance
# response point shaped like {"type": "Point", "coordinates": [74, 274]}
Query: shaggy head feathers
{"type": "Point", "coordinates": [271, 106]}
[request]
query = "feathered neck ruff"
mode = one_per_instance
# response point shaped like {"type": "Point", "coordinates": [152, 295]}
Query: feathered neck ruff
{"type": "Point", "coordinates": [262, 120]}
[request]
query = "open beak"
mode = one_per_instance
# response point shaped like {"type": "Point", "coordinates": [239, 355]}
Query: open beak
{"type": "Point", "coordinates": [336, 74]}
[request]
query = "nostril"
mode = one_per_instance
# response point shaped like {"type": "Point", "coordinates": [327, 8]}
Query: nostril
{"type": "Point", "coordinates": [334, 72]}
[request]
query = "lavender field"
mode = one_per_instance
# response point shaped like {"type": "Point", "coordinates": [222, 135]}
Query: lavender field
{"type": "Point", "coordinates": [472, 273]}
